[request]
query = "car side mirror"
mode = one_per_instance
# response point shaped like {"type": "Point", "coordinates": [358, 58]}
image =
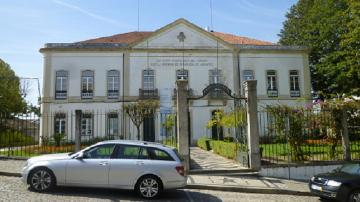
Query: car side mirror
{"type": "Point", "coordinates": [80, 156]}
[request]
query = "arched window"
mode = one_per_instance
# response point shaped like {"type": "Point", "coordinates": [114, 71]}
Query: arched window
{"type": "Point", "coordinates": [61, 84]}
{"type": "Point", "coordinates": [113, 83]}
{"type": "Point", "coordinates": [87, 84]}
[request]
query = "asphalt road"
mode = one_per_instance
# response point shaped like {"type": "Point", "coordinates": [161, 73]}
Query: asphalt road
{"type": "Point", "coordinates": [12, 189]}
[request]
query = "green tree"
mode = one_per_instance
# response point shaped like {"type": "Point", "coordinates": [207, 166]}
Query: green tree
{"type": "Point", "coordinates": [330, 28]}
{"type": "Point", "coordinates": [140, 110]}
{"type": "Point", "coordinates": [10, 96]}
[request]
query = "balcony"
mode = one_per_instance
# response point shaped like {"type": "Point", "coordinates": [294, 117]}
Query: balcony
{"type": "Point", "coordinates": [294, 93]}
{"type": "Point", "coordinates": [148, 93]}
{"type": "Point", "coordinates": [87, 94]}
{"type": "Point", "coordinates": [60, 95]}
{"type": "Point", "coordinates": [113, 94]}
{"type": "Point", "coordinates": [272, 93]}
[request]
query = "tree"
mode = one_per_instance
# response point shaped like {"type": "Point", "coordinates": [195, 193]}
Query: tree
{"type": "Point", "coordinates": [330, 28]}
{"type": "Point", "coordinates": [140, 110]}
{"type": "Point", "coordinates": [168, 124]}
{"type": "Point", "coordinates": [10, 95]}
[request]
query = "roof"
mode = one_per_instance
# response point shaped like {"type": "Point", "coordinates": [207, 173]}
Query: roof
{"type": "Point", "coordinates": [133, 37]}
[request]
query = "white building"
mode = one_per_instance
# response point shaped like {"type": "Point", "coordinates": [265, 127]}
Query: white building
{"type": "Point", "coordinates": [98, 76]}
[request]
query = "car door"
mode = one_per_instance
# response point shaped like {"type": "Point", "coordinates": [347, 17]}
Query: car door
{"type": "Point", "coordinates": [125, 166]}
{"type": "Point", "coordinates": [92, 169]}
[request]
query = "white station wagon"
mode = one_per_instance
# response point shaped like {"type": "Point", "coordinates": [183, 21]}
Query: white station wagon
{"type": "Point", "coordinates": [146, 167]}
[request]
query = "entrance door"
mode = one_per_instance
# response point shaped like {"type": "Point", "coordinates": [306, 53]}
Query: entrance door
{"type": "Point", "coordinates": [149, 129]}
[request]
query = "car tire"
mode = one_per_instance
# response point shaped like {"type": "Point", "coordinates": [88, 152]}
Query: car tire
{"type": "Point", "coordinates": [354, 196]}
{"type": "Point", "coordinates": [41, 179]}
{"type": "Point", "coordinates": [149, 187]}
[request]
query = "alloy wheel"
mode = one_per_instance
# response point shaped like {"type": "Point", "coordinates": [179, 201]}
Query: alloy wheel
{"type": "Point", "coordinates": [149, 187]}
{"type": "Point", "coordinates": [41, 180]}
{"type": "Point", "coordinates": [355, 196]}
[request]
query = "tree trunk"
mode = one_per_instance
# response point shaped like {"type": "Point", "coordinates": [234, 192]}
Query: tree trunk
{"type": "Point", "coordinates": [138, 132]}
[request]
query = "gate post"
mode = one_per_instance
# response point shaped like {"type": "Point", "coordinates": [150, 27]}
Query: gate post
{"type": "Point", "coordinates": [78, 114]}
{"type": "Point", "coordinates": [252, 124]}
{"type": "Point", "coordinates": [182, 122]}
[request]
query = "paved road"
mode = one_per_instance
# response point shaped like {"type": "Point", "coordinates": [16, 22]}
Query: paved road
{"type": "Point", "coordinates": [12, 189]}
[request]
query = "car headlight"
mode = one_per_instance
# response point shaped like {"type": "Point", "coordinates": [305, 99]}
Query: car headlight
{"type": "Point", "coordinates": [333, 183]}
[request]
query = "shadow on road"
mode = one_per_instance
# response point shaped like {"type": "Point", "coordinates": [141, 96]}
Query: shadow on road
{"type": "Point", "coordinates": [120, 195]}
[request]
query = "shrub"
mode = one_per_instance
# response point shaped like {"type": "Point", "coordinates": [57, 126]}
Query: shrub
{"type": "Point", "coordinates": [202, 143]}
{"type": "Point", "coordinates": [225, 149]}
{"type": "Point", "coordinates": [58, 137]}
{"type": "Point", "coordinates": [10, 138]}
{"type": "Point", "coordinates": [228, 139]}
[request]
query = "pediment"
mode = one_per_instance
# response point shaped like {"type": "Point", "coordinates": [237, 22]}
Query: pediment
{"type": "Point", "coordinates": [182, 34]}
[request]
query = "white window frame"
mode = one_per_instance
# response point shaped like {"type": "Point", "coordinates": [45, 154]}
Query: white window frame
{"type": "Point", "coordinates": [113, 84]}
{"type": "Point", "coordinates": [294, 82]}
{"type": "Point", "coordinates": [271, 83]}
{"type": "Point", "coordinates": [182, 74]}
{"type": "Point", "coordinates": [248, 74]}
{"type": "Point", "coordinates": [148, 79]}
{"type": "Point", "coordinates": [60, 123]}
{"type": "Point", "coordinates": [61, 88]}
{"type": "Point", "coordinates": [87, 78]}
{"type": "Point", "coordinates": [87, 126]}
{"type": "Point", "coordinates": [112, 126]}
{"type": "Point", "coordinates": [215, 76]}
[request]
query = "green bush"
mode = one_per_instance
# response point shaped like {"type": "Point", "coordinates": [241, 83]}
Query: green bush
{"type": "Point", "coordinates": [225, 149]}
{"type": "Point", "coordinates": [58, 137]}
{"type": "Point", "coordinates": [201, 142]}
{"type": "Point", "coordinates": [11, 138]}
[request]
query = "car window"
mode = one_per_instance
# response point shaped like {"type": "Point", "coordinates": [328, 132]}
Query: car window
{"type": "Point", "coordinates": [351, 169]}
{"type": "Point", "coordinates": [127, 152]}
{"type": "Point", "coordinates": [157, 154]}
{"type": "Point", "coordinates": [144, 154]}
{"type": "Point", "coordinates": [100, 152]}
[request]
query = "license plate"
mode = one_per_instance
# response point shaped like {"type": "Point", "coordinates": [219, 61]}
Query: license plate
{"type": "Point", "coordinates": [315, 187]}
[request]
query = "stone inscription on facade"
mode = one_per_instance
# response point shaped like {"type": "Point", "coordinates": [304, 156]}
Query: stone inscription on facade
{"type": "Point", "coordinates": [178, 62]}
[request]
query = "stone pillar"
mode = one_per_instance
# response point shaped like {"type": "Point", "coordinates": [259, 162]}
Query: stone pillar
{"type": "Point", "coordinates": [252, 124]}
{"type": "Point", "coordinates": [183, 122]}
{"type": "Point", "coordinates": [345, 137]}
{"type": "Point", "coordinates": [78, 115]}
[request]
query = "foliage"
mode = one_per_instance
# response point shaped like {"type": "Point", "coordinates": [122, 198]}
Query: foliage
{"type": "Point", "coordinates": [288, 122]}
{"type": "Point", "coordinates": [330, 28]}
{"type": "Point", "coordinates": [169, 124]}
{"type": "Point", "coordinates": [11, 138]}
{"type": "Point", "coordinates": [203, 143]}
{"type": "Point", "coordinates": [10, 96]}
{"type": "Point", "coordinates": [58, 137]}
{"type": "Point", "coordinates": [217, 121]}
{"type": "Point", "coordinates": [140, 110]}
{"type": "Point", "coordinates": [225, 149]}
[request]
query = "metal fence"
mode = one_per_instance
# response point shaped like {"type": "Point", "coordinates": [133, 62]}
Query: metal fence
{"type": "Point", "coordinates": [21, 135]}
{"type": "Point", "coordinates": [307, 136]}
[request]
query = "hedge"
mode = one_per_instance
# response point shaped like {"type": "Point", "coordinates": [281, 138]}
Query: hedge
{"type": "Point", "coordinates": [225, 149]}
{"type": "Point", "coordinates": [14, 138]}
{"type": "Point", "coordinates": [201, 142]}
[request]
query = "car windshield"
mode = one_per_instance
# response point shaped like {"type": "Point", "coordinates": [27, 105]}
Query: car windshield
{"type": "Point", "coordinates": [351, 169]}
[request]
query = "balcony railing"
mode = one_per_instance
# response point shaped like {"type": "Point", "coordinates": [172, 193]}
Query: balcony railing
{"type": "Point", "coordinates": [60, 94]}
{"type": "Point", "coordinates": [113, 94]}
{"type": "Point", "coordinates": [148, 93]}
{"type": "Point", "coordinates": [294, 93]}
{"type": "Point", "coordinates": [272, 93]}
{"type": "Point", "coordinates": [87, 94]}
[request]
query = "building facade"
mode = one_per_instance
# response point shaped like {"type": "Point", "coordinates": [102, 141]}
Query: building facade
{"type": "Point", "coordinates": [98, 76]}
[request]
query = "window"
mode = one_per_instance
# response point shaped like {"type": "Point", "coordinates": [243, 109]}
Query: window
{"type": "Point", "coordinates": [60, 124]}
{"type": "Point", "coordinates": [148, 79]}
{"type": "Point", "coordinates": [128, 152]}
{"type": "Point", "coordinates": [248, 75]}
{"type": "Point", "coordinates": [113, 79]}
{"type": "Point", "coordinates": [271, 83]}
{"type": "Point", "coordinates": [182, 74]}
{"type": "Point", "coordinates": [86, 127]}
{"type": "Point", "coordinates": [157, 154]}
{"type": "Point", "coordinates": [100, 152]}
{"type": "Point", "coordinates": [112, 125]}
{"type": "Point", "coordinates": [215, 76]}
{"type": "Point", "coordinates": [294, 83]}
{"type": "Point", "coordinates": [61, 84]}
{"type": "Point", "coordinates": [87, 84]}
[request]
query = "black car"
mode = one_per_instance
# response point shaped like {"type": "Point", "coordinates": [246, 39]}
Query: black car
{"type": "Point", "coordinates": [342, 184]}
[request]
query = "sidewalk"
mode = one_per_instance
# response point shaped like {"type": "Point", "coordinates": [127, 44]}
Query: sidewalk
{"type": "Point", "coordinates": [238, 183]}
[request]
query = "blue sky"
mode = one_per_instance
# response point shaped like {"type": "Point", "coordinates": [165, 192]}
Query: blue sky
{"type": "Point", "coordinates": [27, 25]}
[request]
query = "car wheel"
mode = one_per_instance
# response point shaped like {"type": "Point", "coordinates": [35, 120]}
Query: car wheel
{"type": "Point", "coordinates": [41, 180]}
{"type": "Point", "coordinates": [149, 187]}
{"type": "Point", "coordinates": [354, 196]}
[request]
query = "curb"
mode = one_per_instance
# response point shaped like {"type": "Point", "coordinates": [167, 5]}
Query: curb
{"type": "Point", "coordinates": [222, 172]}
{"type": "Point", "coordinates": [9, 174]}
{"type": "Point", "coordinates": [249, 190]}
